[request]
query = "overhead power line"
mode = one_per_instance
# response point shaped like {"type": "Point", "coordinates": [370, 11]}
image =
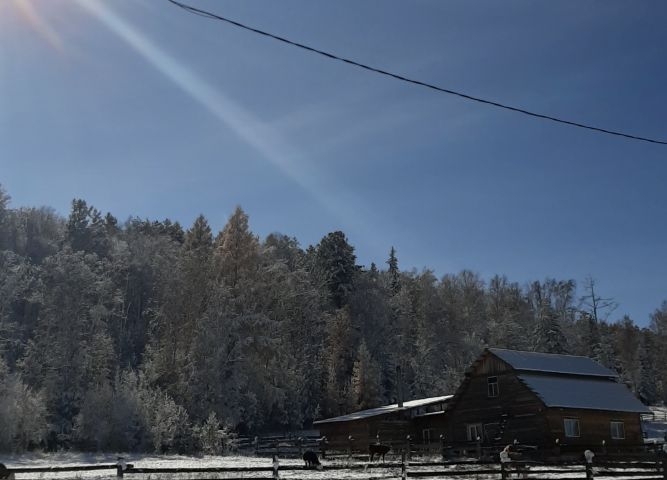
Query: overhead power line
{"type": "Point", "coordinates": [207, 14]}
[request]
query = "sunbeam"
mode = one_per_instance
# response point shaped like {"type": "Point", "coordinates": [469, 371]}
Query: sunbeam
{"type": "Point", "coordinates": [243, 123]}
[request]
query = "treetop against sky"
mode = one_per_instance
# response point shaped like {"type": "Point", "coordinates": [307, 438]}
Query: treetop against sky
{"type": "Point", "coordinates": [145, 110]}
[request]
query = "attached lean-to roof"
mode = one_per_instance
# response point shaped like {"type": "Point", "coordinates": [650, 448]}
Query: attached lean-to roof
{"type": "Point", "coordinates": [372, 412]}
{"type": "Point", "coordinates": [586, 393]}
{"type": "Point", "coordinates": [552, 363]}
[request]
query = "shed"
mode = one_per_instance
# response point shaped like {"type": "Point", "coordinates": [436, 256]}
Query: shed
{"type": "Point", "coordinates": [390, 424]}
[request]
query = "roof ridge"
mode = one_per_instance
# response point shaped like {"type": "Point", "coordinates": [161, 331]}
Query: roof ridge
{"type": "Point", "coordinates": [540, 353]}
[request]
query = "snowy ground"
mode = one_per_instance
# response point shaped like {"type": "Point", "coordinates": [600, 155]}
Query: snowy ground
{"type": "Point", "coordinates": [656, 427]}
{"type": "Point", "coordinates": [175, 461]}
{"type": "Point", "coordinates": [360, 470]}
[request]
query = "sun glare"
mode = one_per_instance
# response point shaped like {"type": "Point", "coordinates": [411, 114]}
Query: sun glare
{"type": "Point", "coordinates": [31, 16]}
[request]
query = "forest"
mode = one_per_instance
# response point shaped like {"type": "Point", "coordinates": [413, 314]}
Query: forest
{"type": "Point", "coordinates": [150, 336]}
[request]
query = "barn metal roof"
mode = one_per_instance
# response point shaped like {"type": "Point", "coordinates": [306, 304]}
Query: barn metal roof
{"type": "Point", "coordinates": [586, 393]}
{"type": "Point", "coordinates": [385, 409]}
{"type": "Point", "coordinates": [552, 363]}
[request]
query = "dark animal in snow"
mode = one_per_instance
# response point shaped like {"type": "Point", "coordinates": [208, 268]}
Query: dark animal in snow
{"type": "Point", "coordinates": [311, 459]}
{"type": "Point", "coordinates": [379, 449]}
{"type": "Point", "coordinates": [5, 473]}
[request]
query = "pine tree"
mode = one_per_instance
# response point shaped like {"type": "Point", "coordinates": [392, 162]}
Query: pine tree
{"type": "Point", "coordinates": [394, 274]}
{"type": "Point", "coordinates": [4, 214]}
{"type": "Point", "coordinates": [86, 230]}
{"type": "Point", "coordinates": [335, 266]}
{"type": "Point", "coordinates": [650, 382]}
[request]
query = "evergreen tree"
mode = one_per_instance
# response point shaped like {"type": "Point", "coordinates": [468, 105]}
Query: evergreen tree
{"type": "Point", "coordinates": [86, 230]}
{"type": "Point", "coordinates": [4, 214]}
{"type": "Point", "coordinates": [626, 351]}
{"type": "Point", "coordinates": [335, 266]}
{"type": "Point", "coordinates": [650, 383]}
{"type": "Point", "coordinates": [394, 274]}
{"type": "Point", "coordinates": [658, 326]}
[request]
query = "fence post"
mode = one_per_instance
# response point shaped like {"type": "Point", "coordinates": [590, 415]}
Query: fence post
{"type": "Point", "coordinates": [408, 440]}
{"type": "Point", "coordinates": [120, 467]}
{"type": "Point", "coordinates": [404, 468]}
{"type": "Point", "coordinates": [256, 442]}
{"type": "Point", "coordinates": [323, 446]}
{"type": "Point", "coordinates": [350, 439]}
{"type": "Point", "coordinates": [276, 466]}
{"type": "Point", "coordinates": [442, 447]}
{"type": "Point", "coordinates": [588, 454]}
{"type": "Point", "coordinates": [299, 442]}
{"type": "Point", "coordinates": [503, 470]}
{"type": "Point", "coordinates": [479, 447]}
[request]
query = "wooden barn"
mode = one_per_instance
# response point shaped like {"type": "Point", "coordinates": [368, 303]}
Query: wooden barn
{"type": "Point", "coordinates": [545, 400]}
{"type": "Point", "coordinates": [390, 424]}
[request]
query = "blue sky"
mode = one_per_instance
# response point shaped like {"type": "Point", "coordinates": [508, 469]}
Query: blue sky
{"type": "Point", "coordinates": [144, 110]}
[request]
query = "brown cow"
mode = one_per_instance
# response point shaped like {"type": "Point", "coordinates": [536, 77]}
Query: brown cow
{"type": "Point", "coordinates": [311, 460]}
{"type": "Point", "coordinates": [379, 449]}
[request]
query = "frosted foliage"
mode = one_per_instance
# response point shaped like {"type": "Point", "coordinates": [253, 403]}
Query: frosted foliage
{"type": "Point", "coordinates": [139, 336]}
{"type": "Point", "coordinates": [22, 414]}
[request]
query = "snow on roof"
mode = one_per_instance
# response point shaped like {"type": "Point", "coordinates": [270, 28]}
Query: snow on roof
{"type": "Point", "coordinates": [372, 412]}
{"type": "Point", "coordinates": [592, 394]}
{"type": "Point", "coordinates": [552, 363]}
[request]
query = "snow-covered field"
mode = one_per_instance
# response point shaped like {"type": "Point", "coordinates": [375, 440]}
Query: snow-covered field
{"type": "Point", "coordinates": [359, 470]}
{"type": "Point", "coordinates": [176, 461]}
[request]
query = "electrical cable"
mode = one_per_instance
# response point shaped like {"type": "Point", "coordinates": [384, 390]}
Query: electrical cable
{"type": "Point", "coordinates": [332, 56]}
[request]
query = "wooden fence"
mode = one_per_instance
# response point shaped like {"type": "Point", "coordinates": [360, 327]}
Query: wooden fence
{"type": "Point", "coordinates": [278, 445]}
{"type": "Point", "coordinates": [606, 468]}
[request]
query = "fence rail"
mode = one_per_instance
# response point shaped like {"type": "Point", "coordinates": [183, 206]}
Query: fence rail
{"type": "Point", "coordinates": [632, 469]}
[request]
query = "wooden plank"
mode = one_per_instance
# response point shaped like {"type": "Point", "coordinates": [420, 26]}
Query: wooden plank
{"type": "Point", "coordinates": [72, 468]}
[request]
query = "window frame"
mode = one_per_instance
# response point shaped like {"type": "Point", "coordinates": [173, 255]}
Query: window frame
{"type": "Point", "coordinates": [572, 421]}
{"type": "Point", "coordinates": [614, 432]}
{"type": "Point", "coordinates": [477, 428]}
{"type": "Point", "coordinates": [492, 387]}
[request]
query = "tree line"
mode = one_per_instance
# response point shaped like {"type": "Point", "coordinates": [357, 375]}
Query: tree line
{"type": "Point", "coordinates": [145, 336]}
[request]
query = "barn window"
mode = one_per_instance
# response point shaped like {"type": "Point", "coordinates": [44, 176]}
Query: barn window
{"type": "Point", "coordinates": [427, 435]}
{"type": "Point", "coordinates": [617, 430]}
{"type": "Point", "coordinates": [474, 431]}
{"type": "Point", "coordinates": [571, 427]}
{"type": "Point", "coordinates": [492, 386]}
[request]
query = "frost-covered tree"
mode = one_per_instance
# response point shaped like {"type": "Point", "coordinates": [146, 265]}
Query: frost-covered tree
{"type": "Point", "coordinates": [335, 266]}
{"type": "Point", "coordinates": [236, 250]}
{"type": "Point", "coordinates": [340, 352]}
{"type": "Point", "coordinates": [23, 414]}
{"type": "Point", "coordinates": [394, 273]}
{"type": "Point", "coordinates": [71, 349]}
{"type": "Point", "coordinates": [365, 379]}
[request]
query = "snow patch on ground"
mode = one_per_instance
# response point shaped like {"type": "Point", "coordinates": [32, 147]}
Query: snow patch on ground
{"type": "Point", "coordinates": [655, 427]}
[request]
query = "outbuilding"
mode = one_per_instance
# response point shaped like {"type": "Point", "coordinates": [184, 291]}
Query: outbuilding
{"type": "Point", "coordinates": [389, 424]}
